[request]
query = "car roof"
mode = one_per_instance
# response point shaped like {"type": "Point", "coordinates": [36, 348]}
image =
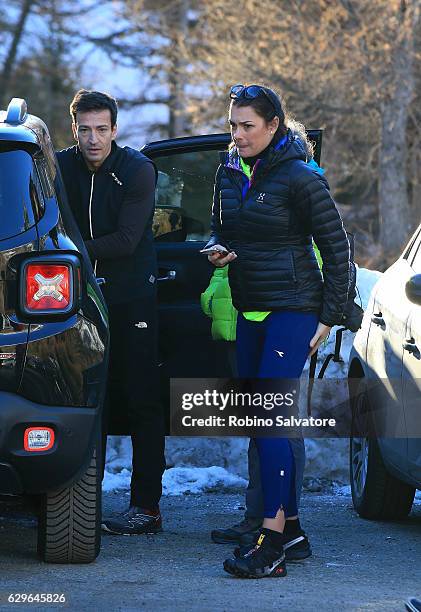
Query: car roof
{"type": "Point", "coordinates": [18, 126]}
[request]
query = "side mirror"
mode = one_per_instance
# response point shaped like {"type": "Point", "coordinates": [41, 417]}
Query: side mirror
{"type": "Point", "coordinates": [413, 289]}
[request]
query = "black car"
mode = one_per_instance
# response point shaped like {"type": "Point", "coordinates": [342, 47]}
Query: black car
{"type": "Point", "coordinates": [53, 347]}
{"type": "Point", "coordinates": [385, 385]}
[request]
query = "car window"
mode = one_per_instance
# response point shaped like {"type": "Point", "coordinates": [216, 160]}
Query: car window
{"type": "Point", "coordinates": [184, 195]}
{"type": "Point", "coordinates": [44, 175]}
{"type": "Point", "coordinates": [19, 192]}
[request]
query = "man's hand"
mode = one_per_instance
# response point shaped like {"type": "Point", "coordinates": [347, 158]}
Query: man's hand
{"type": "Point", "coordinates": [220, 259]}
{"type": "Point", "coordinates": [321, 334]}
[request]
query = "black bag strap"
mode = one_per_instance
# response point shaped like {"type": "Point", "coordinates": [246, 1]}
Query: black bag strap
{"type": "Point", "coordinates": [311, 374]}
{"type": "Point", "coordinates": [335, 356]}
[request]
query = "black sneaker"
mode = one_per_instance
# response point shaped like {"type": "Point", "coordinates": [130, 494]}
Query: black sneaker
{"type": "Point", "coordinates": [262, 561]}
{"type": "Point", "coordinates": [135, 522]}
{"type": "Point", "coordinates": [296, 547]}
{"type": "Point", "coordinates": [413, 604]}
{"type": "Point", "coordinates": [233, 535]}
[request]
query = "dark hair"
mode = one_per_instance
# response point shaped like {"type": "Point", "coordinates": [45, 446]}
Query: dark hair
{"type": "Point", "coordinates": [270, 106]}
{"type": "Point", "coordinates": [86, 100]}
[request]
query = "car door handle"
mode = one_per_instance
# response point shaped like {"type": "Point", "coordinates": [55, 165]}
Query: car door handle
{"type": "Point", "coordinates": [171, 275]}
{"type": "Point", "coordinates": [377, 318]}
{"type": "Point", "coordinates": [410, 346]}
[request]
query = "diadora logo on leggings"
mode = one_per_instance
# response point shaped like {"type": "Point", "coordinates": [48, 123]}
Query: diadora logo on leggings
{"type": "Point", "coordinates": [280, 353]}
{"type": "Point", "coordinates": [141, 325]}
{"type": "Point", "coordinates": [261, 198]}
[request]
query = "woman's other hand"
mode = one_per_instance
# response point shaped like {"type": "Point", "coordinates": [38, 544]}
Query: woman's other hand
{"type": "Point", "coordinates": [221, 259]}
{"type": "Point", "coordinates": [321, 334]}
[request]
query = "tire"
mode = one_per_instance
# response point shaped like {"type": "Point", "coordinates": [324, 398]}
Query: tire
{"type": "Point", "coordinates": [69, 524]}
{"type": "Point", "coordinates": [376, 494]}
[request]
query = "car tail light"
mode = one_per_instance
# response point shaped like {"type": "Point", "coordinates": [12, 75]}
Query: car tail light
{"type": "Point", "coordinates": [48, 287]}
{"type": "Point", "coordinates": [37, 439]}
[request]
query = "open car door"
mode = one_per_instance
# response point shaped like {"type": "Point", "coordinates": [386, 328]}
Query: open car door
{"type": "Point", "coordinates": [186, 173]}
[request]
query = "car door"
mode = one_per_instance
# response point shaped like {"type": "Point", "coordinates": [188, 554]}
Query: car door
{"type": "Point", "coordinates": [186, 172]}
{"type": "Point", "coordinates": [384, 357]}
{"type": "Point", "coordinates": [411, 375]}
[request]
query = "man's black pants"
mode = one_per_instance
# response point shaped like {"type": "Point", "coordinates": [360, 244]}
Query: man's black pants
{"type": "Point", "coordinates": [133, 394]}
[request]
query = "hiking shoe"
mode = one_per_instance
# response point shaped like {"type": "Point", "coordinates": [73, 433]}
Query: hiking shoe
{"type": "Point", "coordinates": [134, 522]}
{"type": "Point", "coordinates": [232, 535]}
{"type": "Point", "coordinates": [296, 547]}
{"type": "Point", "coordinates": [264, 560]}
{"type": "Point", "coordinates": [413, 605]}
{"type": "Point", "coordinates": [249, 539]}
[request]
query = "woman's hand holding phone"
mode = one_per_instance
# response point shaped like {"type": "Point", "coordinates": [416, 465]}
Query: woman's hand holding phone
{"type": "Point", "coordinates": [219, 256]}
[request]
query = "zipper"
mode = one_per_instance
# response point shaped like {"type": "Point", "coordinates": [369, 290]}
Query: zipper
{"type": "Point", "coordinates": [116, 179]}
{"type": "Point", "coordinates": [90, 216]}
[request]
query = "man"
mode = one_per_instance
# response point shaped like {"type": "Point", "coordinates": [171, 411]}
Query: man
{"type": "Point", "coordinates": [111, 192]}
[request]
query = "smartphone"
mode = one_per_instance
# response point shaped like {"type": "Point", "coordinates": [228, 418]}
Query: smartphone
{"type": "Point", "coordinates": [211, 250]}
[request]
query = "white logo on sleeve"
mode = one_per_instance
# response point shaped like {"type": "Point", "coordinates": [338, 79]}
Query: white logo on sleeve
{"type": "Point", "coordinates": [141, 325]}
{"type": "Point", "coordinates": [280, 353]}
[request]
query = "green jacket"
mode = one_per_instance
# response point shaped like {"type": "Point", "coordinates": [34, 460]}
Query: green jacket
{"type": "Point", "coordinates": [216, 303]}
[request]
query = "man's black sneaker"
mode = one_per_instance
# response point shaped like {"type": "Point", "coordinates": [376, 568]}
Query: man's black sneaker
{"type": "Point", "coordinates": [134, 522]}
{"type": "Point", "coordinates": [233, 535]}
{"type": "Point", "coordinates": [296, 547]}
{"type": "Point", "coordinates": [261, 561]}
{"type": "Point", "coordinates": [413, 604]}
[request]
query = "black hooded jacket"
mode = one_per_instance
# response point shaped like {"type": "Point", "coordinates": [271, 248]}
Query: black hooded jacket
{"type": "Point", "coordinates": [271, 230]}
{"type": "Point", "coordinates": [114, 210]}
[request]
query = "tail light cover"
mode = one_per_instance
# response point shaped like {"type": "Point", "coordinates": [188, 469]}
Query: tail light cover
{"type": "Point", "coordinates": [38, 439]}
{"type": "Point", "coordinates": [50, 286]}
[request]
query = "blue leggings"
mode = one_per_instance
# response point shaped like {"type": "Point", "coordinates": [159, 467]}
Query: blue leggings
{"type": "Point", "coordinates": [258, 347]}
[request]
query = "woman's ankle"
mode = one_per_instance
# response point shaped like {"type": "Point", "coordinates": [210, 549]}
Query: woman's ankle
{"type": "Point", "coordinates": [277, 523]}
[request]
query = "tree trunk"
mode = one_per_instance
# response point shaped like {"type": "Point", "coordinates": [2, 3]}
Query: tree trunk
{"type": "Point", "coordinates": [176, 78]}
{"type": "Point", "coordinates": [394, 208]}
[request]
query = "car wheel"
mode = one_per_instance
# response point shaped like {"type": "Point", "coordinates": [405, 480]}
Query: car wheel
{"type": "Point", "coordinates": [69, 524]}
{"type": "Point", "coordinates": [376, 494]}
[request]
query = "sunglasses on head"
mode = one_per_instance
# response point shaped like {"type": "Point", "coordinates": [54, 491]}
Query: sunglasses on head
{"type": "Point", "coordinates": [250, 92]}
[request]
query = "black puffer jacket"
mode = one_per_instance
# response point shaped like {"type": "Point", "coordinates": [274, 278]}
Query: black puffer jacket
{"type": "Point", "coordinates": [271, 230]}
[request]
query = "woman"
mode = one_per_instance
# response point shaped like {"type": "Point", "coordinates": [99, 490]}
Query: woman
{"type": "Point", "coordinates": [268, 205]}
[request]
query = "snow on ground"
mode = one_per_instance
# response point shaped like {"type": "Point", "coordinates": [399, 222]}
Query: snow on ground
{"type": "Point", "coordinates": [204, 464]}
{"type": "Point", "coordinates": [343, 490]}
{"type": "Point", "coordinates": [182, 480]}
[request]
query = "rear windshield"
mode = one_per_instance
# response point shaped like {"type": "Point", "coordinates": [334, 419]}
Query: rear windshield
{"type": "Point", "coordinates": [19, 192]}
